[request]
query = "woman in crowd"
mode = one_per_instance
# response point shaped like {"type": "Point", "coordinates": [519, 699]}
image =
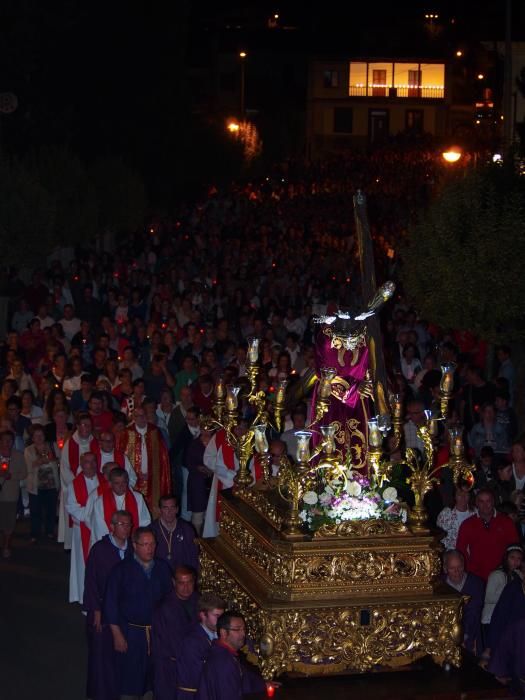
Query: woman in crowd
{"type": "Point", "coordinates": [450, 519]}
{"type": "Point", "coordinates": [42, 483]}
{"type": "Point", "coordinates": [12, 471]}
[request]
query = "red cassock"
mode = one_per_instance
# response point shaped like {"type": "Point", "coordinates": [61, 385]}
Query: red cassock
{"type": "Point", "coordinates": [157, 481]}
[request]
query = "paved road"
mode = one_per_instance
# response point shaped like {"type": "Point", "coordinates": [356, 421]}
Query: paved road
{"type": "Point", "coordinates": [42, 645]}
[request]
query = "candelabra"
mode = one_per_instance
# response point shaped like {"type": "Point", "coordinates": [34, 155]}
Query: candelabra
{"type": "Point", "coordinates": [446, 386]}
{"type": "Point", "coordinates": [294, 481]}
{"type": "Point", "coordinates": [324, 393]}
{"type": "Point", "coordinates": [461, 469]}
{"type": "Point", "coordinates": [422, 474]}
{"type": "Point", "coordinates": [396, 404]}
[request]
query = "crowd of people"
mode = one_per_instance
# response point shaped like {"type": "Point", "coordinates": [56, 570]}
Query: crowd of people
{"type": "Point", "coordinates": [108, 372]}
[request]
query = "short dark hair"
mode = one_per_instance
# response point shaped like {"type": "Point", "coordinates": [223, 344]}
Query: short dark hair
{"type": "Point", "coordinates": [118, 471]}
{"type": "Point", "coordinates": [210, 601]}
{"type": "Point", "coordinates": [168, 497]}
{"type": "Point", "coordinates": [137, 534]}
{"type": "Point", "coordinates": [224, 621]}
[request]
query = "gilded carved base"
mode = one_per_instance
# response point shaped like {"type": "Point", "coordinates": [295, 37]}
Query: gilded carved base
{"type": "Point", "coordinates": [352, 636]}
{"type": "Point", "coordinates": [352, 598]}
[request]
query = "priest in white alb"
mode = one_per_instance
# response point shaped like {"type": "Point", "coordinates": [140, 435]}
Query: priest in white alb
{"type": "Point", "coordinates": [108, 453]}
{"type": "Point", "coordinates": [220, 458]}
{"type": "Point", "coordinates": [78, 506]}
{"type": "Point", "coordinates": [79, 443]}
{"type": "Point", "coordinates": [118, 496]}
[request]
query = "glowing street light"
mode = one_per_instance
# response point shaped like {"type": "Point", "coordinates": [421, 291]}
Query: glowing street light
{"type": "Point", "coordinates": [233, 127]}
{"type": "Point", "coordinates": [242, 56]}
{"type": "Point", "coordinates": [452, 155]}
{"type": "Point", "coordinates": [459, 53]}
{"type": "Point", "coordinates": [480, 76]}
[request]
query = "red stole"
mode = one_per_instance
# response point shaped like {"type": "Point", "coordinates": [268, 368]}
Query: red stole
{"type": "Point", "coordinates": [110, 506]}
{"type": "Point", "coordinates": [257, 468]}
{"type": "Point", "coordinates": [74, 453]}
{"type": "Point", "coordinates": [81, 494]}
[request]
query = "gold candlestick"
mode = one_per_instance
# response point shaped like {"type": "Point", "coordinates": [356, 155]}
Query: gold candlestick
{"type": "Point", "coordinates": [446, 386]}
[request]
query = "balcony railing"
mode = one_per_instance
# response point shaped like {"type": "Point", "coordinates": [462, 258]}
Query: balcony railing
{"type": "Point", "coordinates": [405, 91]}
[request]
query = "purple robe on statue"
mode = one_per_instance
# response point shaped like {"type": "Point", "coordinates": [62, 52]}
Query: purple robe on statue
{"type": "Point", "coordinates": [183, 550]}
{"type": "Point", "coordinates": [172, 620]}
{"type": "Point", "coordinates": [132, 594]}
{"type": "Point", "coordinates": [101, 676]}
{"type": "Point", "coordinates": [347, 407]}
{"type": "Point", "coordinates": [194, 650]}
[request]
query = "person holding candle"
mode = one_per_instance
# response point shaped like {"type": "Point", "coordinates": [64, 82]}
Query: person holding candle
{"type": "Point", "coordinates": [42, 483]}
{"type": "Point", "coordinates": [12, 471]}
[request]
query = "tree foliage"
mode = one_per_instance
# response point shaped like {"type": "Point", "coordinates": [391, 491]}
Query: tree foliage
{"type": "Point", "coordinates": [51, 199]}
{"type": "Point", "coordinates": [463, 260]}
{"type": "Point", "coordinates": [27, 215]}
{"type": "Point", "coordinates": [65, 178]}
{"type": "Point", "coordinates": [120, 193]}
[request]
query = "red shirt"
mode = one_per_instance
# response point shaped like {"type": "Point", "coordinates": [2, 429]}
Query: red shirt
{"type": "Point", "coordinates": [483, 547]}
{"type": "Point", "coordinates": [102, 423]}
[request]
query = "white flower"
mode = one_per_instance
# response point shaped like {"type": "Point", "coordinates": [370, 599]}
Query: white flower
{"type": "Point", "coordinates": [390, 494]}
{"type": "Point", "coordinates": [404, 515]}
{"type": "Point", "coordinates": [354, 488]}
{"type": "Point", "coordinates": [303, 515]}
{"type": "Point", "coordinates": [325, 499]}
{"type": "Point", "coordinates": [310, 498]}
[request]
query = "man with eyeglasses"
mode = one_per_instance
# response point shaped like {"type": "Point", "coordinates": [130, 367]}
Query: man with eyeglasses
{"type": "Point", "coordinates": [103, 557]}
{"type": "Point", "coordinates": [224, 676]}
{"type": "Point", "coordinates": [135, 587]}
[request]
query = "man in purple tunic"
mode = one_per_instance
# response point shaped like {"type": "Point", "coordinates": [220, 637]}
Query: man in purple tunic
{"type": "Point", "coordinates": [175, 537]}
{"type": "Point", "coordinates": [172, 620]}
{"type": "Point", "coordinates": [135, 587]}
{"type": "Point", "coordinates": [196, 646]}
{"type": "Point", "coordinates": [103, 557]}
{"type": "Point", "coordinates": [223, 676]}
{"type": "Point", "coordinates": [473, 586]}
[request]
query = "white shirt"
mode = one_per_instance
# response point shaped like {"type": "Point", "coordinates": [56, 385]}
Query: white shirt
{"type": "Point", "coordinates": [106, 457]}
{"type": "Point", "coordinates": [520, 481]}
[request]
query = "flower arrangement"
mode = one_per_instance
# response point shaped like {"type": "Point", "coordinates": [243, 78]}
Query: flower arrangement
{"type": "Point", "coordinates": [351, 497]}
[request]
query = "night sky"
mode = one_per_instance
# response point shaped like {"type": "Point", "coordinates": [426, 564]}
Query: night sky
{"type": "Point", "coordinates": [115, 77]}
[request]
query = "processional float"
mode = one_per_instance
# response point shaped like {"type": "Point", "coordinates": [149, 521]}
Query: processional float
{"type": "Point", "coordinates": [332, 571]}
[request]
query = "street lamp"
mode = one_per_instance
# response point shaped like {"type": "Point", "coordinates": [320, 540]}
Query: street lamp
{"type": "Point", "coordinates": [452, 155]}
{"type": "Point", "coordinates": [242, 56]}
